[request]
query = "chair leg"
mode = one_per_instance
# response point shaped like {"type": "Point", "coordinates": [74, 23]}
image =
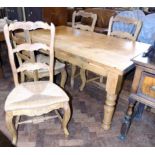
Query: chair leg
{"type": "Point", "coordinates": [101, 79]}
{"type": "Point", "coordinates": [83, 78]}
{"type": "Point", "coordinates": [66, 118]}
{"type": "Point", "coordinates": [22, 77]}
{"type": "Point", "coordinates": [35, 76]}
{"type": "Point", "coordinates": [73, 70]}
{"type": "Point", "coordinates": [63, 78]}
{"type": "Point", "coordinates": [127, 119]}
{"type": "Point", "coordinates": [11, 127]}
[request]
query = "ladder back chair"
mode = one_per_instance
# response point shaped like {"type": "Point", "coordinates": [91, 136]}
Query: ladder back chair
{"type": "Point", "coordinates": [117, 27]}
{"type": "Point", "coordinates": [134, 26]}
{"type": "Point", "coordinates": [115, 24]}
{"type": "Point", "coordinates": [42, 56]}
{"type": "Point", "coordinates": [79, 25]}
{"type": "Point", "coordinates": [35, 98]}
{"type": "Point", "coordinates": [135, 29]}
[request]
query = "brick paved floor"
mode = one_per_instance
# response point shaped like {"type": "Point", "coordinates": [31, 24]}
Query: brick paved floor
{"type": "Point", "coordinates": [85, 124]}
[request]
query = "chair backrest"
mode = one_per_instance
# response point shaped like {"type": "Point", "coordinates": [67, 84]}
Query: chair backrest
{"type": "Point", "coordinates": [28, 46]}
{"type": "Point", "coordinates": [16, 40]}
{"type": "Point", "coordinates": [79, 25]}
{"type": "Point", "coordinates": [135, 27]}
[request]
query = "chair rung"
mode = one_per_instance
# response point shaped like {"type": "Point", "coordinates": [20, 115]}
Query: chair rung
{"type": "Point", "coordinates": [101, 85]}
{"type": "Point", "coordinates": [76, 75]}
{"type": "Point", "coordinates": [58, 114]}
{"type": "Point", "coordinates": [38, 119]}
{"type": "Point", "coordinates": [92, 79]}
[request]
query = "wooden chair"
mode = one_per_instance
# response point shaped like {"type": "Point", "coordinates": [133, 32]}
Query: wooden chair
{"type": "Point", "coordinates": [132, 35]}
{"type": "Point", "coordinates": [26, 56]}
{"type": "Point", "coordinates": [34, 98]}
{"type": "Point", "coordinates": [79, 25]}
{"type": "Point", "coordinates": [121, 34]}
{"type": "Point", "coordinates": [136, 24]}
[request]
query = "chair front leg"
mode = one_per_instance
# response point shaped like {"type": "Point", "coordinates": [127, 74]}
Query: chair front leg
{"type": "Point", "coordinates": [66, 118]}
{"type": "Point", "coordinates": [63, 77]}
{"type": "Point", "coordinates": [83, 78]}
{"type": "Point", "coordinates": [101, 79]}
{"type": "Point", "coordinates": [73, 70]}
{"type": "Point", "coordinates": [11, 127]}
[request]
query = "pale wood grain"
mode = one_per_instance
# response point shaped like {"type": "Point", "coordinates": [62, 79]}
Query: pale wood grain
{"type": "Point", "coordinates": [99, 49]}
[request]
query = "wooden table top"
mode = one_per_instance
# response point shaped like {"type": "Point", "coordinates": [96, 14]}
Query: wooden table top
{"type": "Point", "coordinates": [105, 50]}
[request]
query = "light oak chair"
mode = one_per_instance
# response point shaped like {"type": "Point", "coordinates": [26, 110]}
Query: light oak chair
{"type": "Point", "coordinates": [35, 98]}
{"type": "Point", "coordinates": [135, 27]}
{"type": "Point", "coordinates": [42, 56]}
{"type": "Point", "coordinates": [132, 35]}
{"type": "Point", "coordinates": [79, 25]}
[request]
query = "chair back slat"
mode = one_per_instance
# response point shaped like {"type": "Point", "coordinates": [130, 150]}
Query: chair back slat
{"type": "Point", "coordinates": [79, 25]}
{"type": "Point", "coordinates": [137, 24]}
{"type": "Point", "coordinates": [32, 67]}
{"type": "Point", "coordinates": [28, 26]}
{"type": "Point", "coordinates": [30, 47]}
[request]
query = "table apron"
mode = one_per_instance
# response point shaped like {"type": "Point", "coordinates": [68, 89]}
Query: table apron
{"type": "Point", "coordinates": [82, 63]}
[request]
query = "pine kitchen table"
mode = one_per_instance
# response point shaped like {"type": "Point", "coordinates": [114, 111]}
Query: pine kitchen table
{"type": "Point", "coordinates": [104, 55]}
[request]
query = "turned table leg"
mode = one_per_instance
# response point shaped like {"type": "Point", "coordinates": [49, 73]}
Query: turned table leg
{"type": "Point", "coordinates": [109, 110]}
{"type": "Point", "coordinates": [113, 86]}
